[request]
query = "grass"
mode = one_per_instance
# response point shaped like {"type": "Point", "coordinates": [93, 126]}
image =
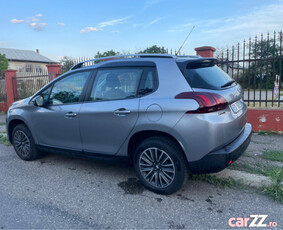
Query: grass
{"type": "Point", "coordinates": [264, 133]}
{"type": "Point", "coordinates": [273, 155]}
{"type": "Point", "coordinates": [258, 169]}
{"type": "Point", "coordinates": [4, 140]}
{"type": "Point", "coordinates": [268, 133]}
{"type": "Point", "coordinates": [1, 123]}
{"type": "Point", "coordinates": [220, 182]}
{"type": "Point", "coordinates": [276, 189]}
{"type": "Point", "coordinates": [275, 173]}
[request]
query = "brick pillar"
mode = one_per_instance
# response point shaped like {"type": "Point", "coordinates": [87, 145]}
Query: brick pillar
{"type": "Point", "coordinates": [53, 71]}
{"type": "Point", "coordinates": [10, 88]}
{"type": "Point", "coordinates": [205, 51]}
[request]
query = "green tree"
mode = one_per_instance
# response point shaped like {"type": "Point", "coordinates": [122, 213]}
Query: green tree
{"type": "Point", "coordinates": [106, 54]}
{"type": "Point", "coordinates": [67, 63]}
{"type": "Point", "coordinates": [267, 65]}
{"type": "Point", "coordinates": [154, 50]}
{"type": "Point", "coordinates": [3, 64]}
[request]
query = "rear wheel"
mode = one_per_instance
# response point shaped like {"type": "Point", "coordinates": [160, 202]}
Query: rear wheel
{"type": "Point", "coordinates": [160, 165]}
{"type": "Point", "coordinates": [24, 144]}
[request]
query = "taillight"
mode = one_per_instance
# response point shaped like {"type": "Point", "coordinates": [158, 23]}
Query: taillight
{"type": "Point", "coordinates": [208, 102]}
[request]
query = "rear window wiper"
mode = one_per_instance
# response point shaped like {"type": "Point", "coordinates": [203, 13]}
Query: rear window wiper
{"type": "Point", "coordinates": [228, 83]}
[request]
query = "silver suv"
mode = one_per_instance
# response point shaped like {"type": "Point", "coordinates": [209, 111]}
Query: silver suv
{"type": "Point", "coordinates": [169, 115]}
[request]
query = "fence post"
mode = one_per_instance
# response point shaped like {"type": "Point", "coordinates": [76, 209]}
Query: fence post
{"type": "Point", "coordinates": [10, 89]}
{"type": "Point", "coordinates": [53, 71]}
{"type": "Point", "coordinates": [205, 51]}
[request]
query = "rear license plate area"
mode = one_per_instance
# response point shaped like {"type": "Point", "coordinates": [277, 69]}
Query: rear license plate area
{"type": "Point", "coordinates": [237, 106]}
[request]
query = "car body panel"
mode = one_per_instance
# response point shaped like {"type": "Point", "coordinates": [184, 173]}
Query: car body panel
{"type": "Point", "coordinates": [57, 130]}
{"type": "Point", "coordinates": [96, 129]}
{"type": "Point", "coordinates": [101, 130]}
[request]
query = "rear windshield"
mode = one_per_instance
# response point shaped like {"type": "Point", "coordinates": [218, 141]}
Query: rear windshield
{"type": "Point", "coordinates": [201, 76]}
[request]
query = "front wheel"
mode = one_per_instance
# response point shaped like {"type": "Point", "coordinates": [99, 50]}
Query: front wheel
{"type": "Point", "coordinates": [24, 144]}
{"type": "Point", "coordinates": [160, 165]}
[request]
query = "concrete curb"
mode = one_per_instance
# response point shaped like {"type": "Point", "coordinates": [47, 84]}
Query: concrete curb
{"type": "Point", "coordinates": [2, 118]}
{"type": "Point", "coordinates": [252, 180]}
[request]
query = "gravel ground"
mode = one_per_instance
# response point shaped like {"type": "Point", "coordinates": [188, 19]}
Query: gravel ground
{"type": "Point", "coordinates": [260, 143]}
{"type": "Point", "coordinates": [248, 160]}
{"type": "Point", "coordinates": [63, 192]}
{"type": "Point", "coordinates": [2, 118]}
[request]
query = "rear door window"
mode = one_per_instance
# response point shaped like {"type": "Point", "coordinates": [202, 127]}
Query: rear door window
{"type": "Point", "coordinates": [116, 84]}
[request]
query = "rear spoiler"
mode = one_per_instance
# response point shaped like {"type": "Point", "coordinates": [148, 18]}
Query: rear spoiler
{"type": "Point", "coordinates": [197, 63]}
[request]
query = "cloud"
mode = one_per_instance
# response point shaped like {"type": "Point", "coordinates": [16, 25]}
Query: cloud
{"type": "Point", "coordinates": [105, 24]}
{"type": "Point", "coordinates": [113, 22]}
{"type": "Point", "coordinates": [90, 29]}
{"type": "Point", "coordinates": [61, 23]}
{"type": "Point", "coordinates": [34, 22]}
{"type": "Point", "coordinates": [154, 21]}
{"type": "Point", "coordinates": [227, 31]}
{"type": "Point", "coordinates": [38, 26]}
{"type": "Point", "coordinates": [260, 20]}
{"type": "Point", "coordinates": [182, 27]}
{"type": "Point", "coordinates": [35, 19]}
{"type": "Point", "coordinates": [144, 25]}
{"type": "Point", "coordinates": [17, 21]}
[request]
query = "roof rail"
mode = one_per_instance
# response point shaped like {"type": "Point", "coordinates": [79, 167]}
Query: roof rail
{"type": "Point", "coordinates": [79, 65]}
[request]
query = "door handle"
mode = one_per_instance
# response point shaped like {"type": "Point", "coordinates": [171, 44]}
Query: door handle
{"type": "Point", "coordinates": [70, 115]}
{"type": "Point", "coordinates": [121, 112]}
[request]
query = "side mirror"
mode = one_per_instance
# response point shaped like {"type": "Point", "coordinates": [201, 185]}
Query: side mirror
{"type": "Point", "coordinates": [38, 101]}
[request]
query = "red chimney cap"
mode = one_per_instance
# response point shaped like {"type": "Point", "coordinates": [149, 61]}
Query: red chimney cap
{"type": "Point", "coordinates": [203, 48]}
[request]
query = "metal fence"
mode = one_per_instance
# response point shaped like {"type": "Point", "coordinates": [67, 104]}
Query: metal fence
{"type": "Point", "coordinates": [257, 66]}
{"type": "Point", "coordinates": [32, 71]}
{"type": "Point", "coordinates": [28, 85]}
{"type": "Point", "coordinates": [3, 93]}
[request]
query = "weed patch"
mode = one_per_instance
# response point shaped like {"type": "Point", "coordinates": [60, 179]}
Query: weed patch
{"type": "Point", "coordinates": [4, 140]}
{"type": "Point", "coordinates": [273, 155]}
{"type": "Point", "coordinates": [220, 182]}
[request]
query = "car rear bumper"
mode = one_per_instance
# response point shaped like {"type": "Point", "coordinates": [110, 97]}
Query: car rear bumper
{"type": "Point", "coordinates": [218, 160]}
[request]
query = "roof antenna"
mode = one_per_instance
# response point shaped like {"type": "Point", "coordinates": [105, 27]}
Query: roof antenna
{"type": "Point", "coordinates": [185, 40]}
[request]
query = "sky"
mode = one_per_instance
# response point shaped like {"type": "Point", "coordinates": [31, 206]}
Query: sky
{"type": "Point", "coordinates": [81, 28]}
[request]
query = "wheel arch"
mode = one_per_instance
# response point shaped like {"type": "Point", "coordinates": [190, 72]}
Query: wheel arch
{"type": "Point", "coordinates": [12, 124]}
{"type": "Point", "coordinates": [138, 137]}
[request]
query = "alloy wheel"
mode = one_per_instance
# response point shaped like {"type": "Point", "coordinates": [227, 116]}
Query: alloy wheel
{"type": "Point", "coordinates": [22, 143]}
{"type": "Point", "coordinates": [157, 167]}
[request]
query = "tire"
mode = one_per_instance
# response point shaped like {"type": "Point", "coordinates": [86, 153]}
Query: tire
{"type": "Point", "coordinates": [161, 165]}
{"type": "Point", "coordinates": [24, 144]}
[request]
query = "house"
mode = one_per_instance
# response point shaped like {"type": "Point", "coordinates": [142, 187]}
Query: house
{"type": "Point", "coordinates": [26, 62]}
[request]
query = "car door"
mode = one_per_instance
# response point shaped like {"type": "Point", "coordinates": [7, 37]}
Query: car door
{"type": "Point", "coordinates": [56, 124]}
{"type": "Point", "coordinates": [111, 111]}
